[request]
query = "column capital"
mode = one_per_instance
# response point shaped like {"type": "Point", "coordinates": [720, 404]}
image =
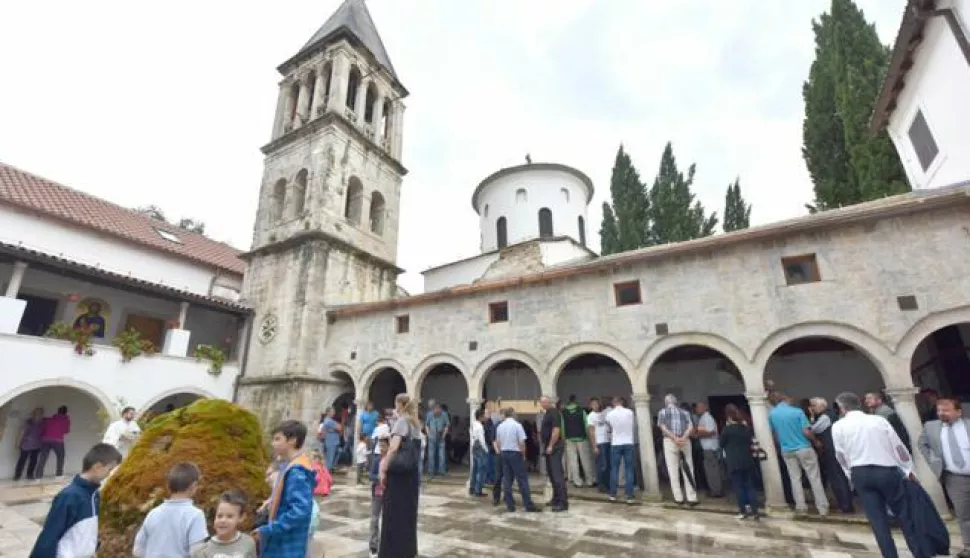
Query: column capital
{"type": "Point", "coordinates": [474, 401]}
{"type": "Point", "coordinates": [907, 392]}
{"type": "Point", "coordinates": [360, 403]}
{"type": "Point", "coordinates": [757, 399]}
{"type": "Point", "coordinates": [641, 399]}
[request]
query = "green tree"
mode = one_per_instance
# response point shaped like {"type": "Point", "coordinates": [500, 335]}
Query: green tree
{"type": "Point", "coordinates": [191, 225]}
{"type": "Point", "coordinates": [846, 165]}
{"type": "Point", "coordinates": [737, 213]}
{"type": "Point", "coordinates": [625, 222]}
{"type": "Point", "coordinates": [152, 211]}
{"type": "Point", "coordinates": [675, 215]}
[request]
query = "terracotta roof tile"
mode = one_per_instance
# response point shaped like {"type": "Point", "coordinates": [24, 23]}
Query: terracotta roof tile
{"type": "Point", "coordinates": [39, 195]}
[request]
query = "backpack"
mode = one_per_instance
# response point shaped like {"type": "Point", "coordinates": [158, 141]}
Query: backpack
{"type": "Point", "coordinates": [324, 480]}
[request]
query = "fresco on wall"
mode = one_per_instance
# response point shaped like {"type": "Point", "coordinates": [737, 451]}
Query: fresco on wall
{"type": "Point", "coordinates": [93, 312]}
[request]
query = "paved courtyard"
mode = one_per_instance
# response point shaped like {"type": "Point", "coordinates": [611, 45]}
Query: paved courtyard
{"type": "Point", "coordinates": [453, 525]}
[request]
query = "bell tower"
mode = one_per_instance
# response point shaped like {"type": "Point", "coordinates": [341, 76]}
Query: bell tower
{"type": "Point", "coordinates": [327, 224]}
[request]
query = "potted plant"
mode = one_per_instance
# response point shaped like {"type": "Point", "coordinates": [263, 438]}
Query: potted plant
{"type": "Point", "coordinates": [80, 336]}
{"type": "Point", "coordinates": [214, 355]}
{"type": "Point", "coordinates": [131, 344]}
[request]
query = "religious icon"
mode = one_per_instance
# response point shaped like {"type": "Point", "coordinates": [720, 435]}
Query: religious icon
{"type": "Point", "coordinates": [93, 313]}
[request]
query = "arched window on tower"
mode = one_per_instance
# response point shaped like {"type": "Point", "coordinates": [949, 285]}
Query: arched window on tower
{"type": "Point", "coordinates": [311, 93]}
{"type": "Point", "coordinates": [277, 201]}
{"type": "Point", "coordinates": [294, 105]}
{"type": "Point", "coordinates": [377, 211]}
{"type": "Point", "coordinates": [582, 230]}
{"type": "Point", "coordinates": [501, 233]}
{"type": "Point", "coordinates": [370, 103]}
{"type": "Point", "coordinates": [299, 193]}
{"type": "Point", "coordinates": [353, 82]}
{"type": "Point", "coordinates": [565, 194]}
{"type": "Point", "coordinates": [521, 196]}
{"type": "Point", "coordinates": [355, 200]}
{"type": "Point", "coordinates": [386, 124]}
{"type": "Point", "coordinates": [545, 223]}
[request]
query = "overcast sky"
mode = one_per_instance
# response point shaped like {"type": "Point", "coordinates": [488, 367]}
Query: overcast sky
{"type": "Point", "coordinates": [168, 103]}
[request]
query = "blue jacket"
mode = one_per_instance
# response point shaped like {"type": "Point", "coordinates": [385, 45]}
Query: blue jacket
{"type": "Point", "coordinates": [71, 527]}
{"type": "Point", "coordinates": [926, 534]}
{"type": "Point", "coordinates": [286, 534]}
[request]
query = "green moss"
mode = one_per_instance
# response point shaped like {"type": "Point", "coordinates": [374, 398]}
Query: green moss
{"type": "Point", "coordinates": [223, 439]}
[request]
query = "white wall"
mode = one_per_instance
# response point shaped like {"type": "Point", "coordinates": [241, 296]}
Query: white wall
{"type": "Point", "coordinates": [462, 272]}
{"type": "Point", "coordinates": [544, 189]}
{"type": "Point", "coordinates": [88, 247]}
{"type": "Point", "coordinates": [208, 327]}
{"type": "Point", "coordinates": [939, 85]}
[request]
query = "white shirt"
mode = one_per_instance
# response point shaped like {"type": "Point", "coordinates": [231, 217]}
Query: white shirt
{"type": "Point", "coordinates": [361, 452]}
{"type": "Point", "coordinates": [860, 439]}
{"type": "Point", "coordinates": [381, 431]}
{"type": "Point", "coordinates": [962, 442]}
{"type": "Point", "coordinates": [121, 434]}
{"type": "Point", "coordinates": [601, 431]}
{"type": "Point", "coordinates": [478, 435]}
{"type": "Point", "coordinates": [708, 423]}
{"type": "Point", "coordinates": [621, 425]}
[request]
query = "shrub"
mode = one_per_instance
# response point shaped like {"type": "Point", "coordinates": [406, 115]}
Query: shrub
{"type": "Point", "coordinates": [223, 439]}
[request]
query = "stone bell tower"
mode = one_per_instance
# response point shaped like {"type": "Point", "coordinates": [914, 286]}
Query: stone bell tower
{"type": "Point", "coordinates": [327, 225]}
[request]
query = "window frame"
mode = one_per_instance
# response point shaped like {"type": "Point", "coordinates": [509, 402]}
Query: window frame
{"type": "Point", "coordinates": [493, 307]}
{"type": "Point", "coordinates": [920, 116]}
{"type": "Point", "coordinates": [402, 324]}
{"type": "Point", "coordinates": [811, 259]}
{"type": "Point", "coordinates": [621, 286]}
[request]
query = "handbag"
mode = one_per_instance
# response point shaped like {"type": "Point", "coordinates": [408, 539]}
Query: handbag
{"type": "Point", "coordinates": [407, 458]}
{"type": "Point", "coordinates": [756, 451]}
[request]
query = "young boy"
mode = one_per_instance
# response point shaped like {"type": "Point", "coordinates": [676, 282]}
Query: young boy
{"type": "Point", "coordinates": [361, 454]}
{"type": "Point", "coordinates": [285, 534]}
{"type": "Point", "coordinates": [228, 542]}
{"type": "Point", "coordinates": [376, 496]}
{"type": "Point", "coordinates": [71, 527]}
{"type": "Point", "coordinates": [176, 527]}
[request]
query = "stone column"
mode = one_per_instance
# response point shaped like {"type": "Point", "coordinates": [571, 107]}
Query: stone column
{"type": "Point", "coordinates": [378, 116]}
{"type": "Point", "coordinates": [770, 469]}
{"type": "Point", "coordinates": [904, 401]}
{"type": "Point", "coordinates": [280, 112]}
{"type": "Point", "coordinates": [361, 102]}
{"type": "Point", "coordinates": [398, 131]}
{"type": "Point", "coordinates": [648, 457]}
{"type": "Point", "coordinates": [302, 103]}
{"type": "Point", "coordinates": [287, 107]}
{"type": "Point", "coordinates": [473, 404]}
{"type": "Point", "coordinates": [352, 470]}
{"type": "Point", "coordinates": [319, 93]}
{"type": "Point", "coordinates": [338, 84]}
{"type": "Point", "coordinates": [16, 278]}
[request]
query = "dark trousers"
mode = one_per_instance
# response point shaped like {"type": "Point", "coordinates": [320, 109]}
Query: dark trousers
{"type": "Point", "coordinates": [499, 475]}
{"type": "Point", "coordinates": [557, 478]}
{"type": "Point", "coordinates": [45, 450]}
{"type": "Point", "coordinates": [28, 458]}
{"type": "Point", "coordinates": [879, 488]}
{"type": "Point", "coordinates": [513, 467]}
{"type": "Point", "coordinates": [603, 467]}
{"type": "Point", "coordinates": [837, 481]}
{"type": "Point", "coordinates": [743, 483]}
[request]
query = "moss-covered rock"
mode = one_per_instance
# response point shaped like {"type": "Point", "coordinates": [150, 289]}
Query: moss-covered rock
{"type": "Point", "coordinates": [223, 439]}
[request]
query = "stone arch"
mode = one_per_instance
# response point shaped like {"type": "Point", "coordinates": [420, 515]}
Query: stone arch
{"type": "Point", "coordinates": [378, 208]}
{"type": "Point", "coordinates": [371, 375]}
{"type": "Point", "coordinates": [708, 340]}
{"type": "Point", "coordinates": [926, 326]}
{"type": "Point", "coordinates": [109, 406]}
{"type": "Point", "coordinates": [424, 367]}
{"type": "Point", "coordinates": [856, 338]}
{"type": "Point", "coordinates": [570, 352]}
{"type": "Point", "coordinates": [367, 376]}
{"type": "Point", "coordinates": [477, 381]}
{"type": "Point", "coordinates": [354, 204]}
{"type": "Point", "coordinates": [188, 390]}
{"type": "Point", "coordinates": [299, 192]}
{"type": "Point", "coordinates": [443, 377]}
{"type": "Point", "coordinates": [344, 368]}
{"type": "Point", "coordinates": [277, 202]}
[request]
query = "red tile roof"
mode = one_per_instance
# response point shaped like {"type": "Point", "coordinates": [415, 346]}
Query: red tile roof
{"type": "Point", "coordinates": [39, 195]}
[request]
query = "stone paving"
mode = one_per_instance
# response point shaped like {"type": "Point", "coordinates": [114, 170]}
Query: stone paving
{"type": "Point", "coordinates": [453, 525]}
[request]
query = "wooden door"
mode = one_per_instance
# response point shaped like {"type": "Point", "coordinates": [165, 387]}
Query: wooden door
{"type": "Point", "coordinates": [152, 329]}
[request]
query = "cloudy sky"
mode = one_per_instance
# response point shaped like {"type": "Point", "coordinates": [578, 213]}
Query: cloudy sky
{"type": "Point", "coordinates": [168, 103]}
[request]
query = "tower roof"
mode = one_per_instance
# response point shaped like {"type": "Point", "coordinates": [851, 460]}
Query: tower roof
{"type": "Point", "coordinates": [354, 18]}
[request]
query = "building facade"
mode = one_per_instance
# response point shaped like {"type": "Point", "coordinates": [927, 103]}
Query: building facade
{"type": "Point", "coordinates": [70, 261]}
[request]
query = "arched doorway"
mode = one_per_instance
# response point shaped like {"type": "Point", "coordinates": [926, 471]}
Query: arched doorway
{"type": "Point", "coordinates": [703, 380]}
{"type": "Point", "coordinates": [820, 367]}
{"type": "Point", "coordinates": [941, 365]}
{"type": "Point", "coordinates": [386, 385]}
{"type": "Point", "coordinates": [580, 379]}
{"type": "Point", "coordinates": [171, 402]}
{"type": "Point", "coordinates": [88, 414]}
{"type": "Point", "coordinates": [513, 383]}
{"type": "Point", "coordinates": [445, 384]}
{"type": "Point", "coordinates": [343, 392]}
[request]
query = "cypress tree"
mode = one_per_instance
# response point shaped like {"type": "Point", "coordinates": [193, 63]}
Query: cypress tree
{"type": "Point", "coordinates": [625, 222]}
{"type": "Point", "coordinates": [846, 165]}
{"type": "Point", "coordinates": [737, 213]}
{"type": "Point", "coordinates": [674, 214]}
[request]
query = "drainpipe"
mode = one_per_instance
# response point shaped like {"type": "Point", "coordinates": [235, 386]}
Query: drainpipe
{"type": "Point", "coordinates": [244, 357]}
{"type": "Point", "coordinates": [954, 24]}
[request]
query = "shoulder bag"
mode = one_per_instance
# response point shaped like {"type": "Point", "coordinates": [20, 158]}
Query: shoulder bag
{"type": "Point", "coordinates": [407, 458]}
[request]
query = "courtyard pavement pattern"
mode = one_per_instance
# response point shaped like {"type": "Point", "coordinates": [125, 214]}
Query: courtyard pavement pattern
{"type": "Point", "coordinates": [453, 525]}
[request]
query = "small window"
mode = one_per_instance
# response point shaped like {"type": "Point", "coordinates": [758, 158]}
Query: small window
{"type": "Point", "coordinates": [565, 194]}
{"type": "Point", "coordinates": [801, 269]}
{"type": "Point", "coordinates": [501, 233]}
{"type": "Point", "coordinates": [168, 236]}
{"type": "Point", "coordinates": [545, 223]}
{"type": "Point", "coordinates": [922, 139]}
{"type": "Point", "coordinates": [521, 196]}
{"type": "Point", "coordinates": [404, 323]}
{"type": "Point", "coordinates": [627, 293]}
{"type": "Point", "coordinates": [498, 312]}
{"type": "Point", "coordinates": [582, 230]}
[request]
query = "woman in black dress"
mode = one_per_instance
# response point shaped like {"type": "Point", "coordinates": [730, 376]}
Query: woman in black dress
{"type": "Point", "coordinates": [736, 440]}
{"type": "Point", "coordinates": [399, 516]}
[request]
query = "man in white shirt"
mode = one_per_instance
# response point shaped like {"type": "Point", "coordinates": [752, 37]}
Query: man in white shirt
{"type": "Point", "coordinates": [706, 432]}
{"type": "Point", "coordinates": [599, 435]}
{"type": "Point", "coordinates": [123, 432]}
{"type": "Point", "coordinates": [621, 423]}
{"type": "Point", "coordinates": [480, 454]}
{"type": "Point", "coordinates": [945, 443]}
{"type": "Point", "coordinates": [877, 464]}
